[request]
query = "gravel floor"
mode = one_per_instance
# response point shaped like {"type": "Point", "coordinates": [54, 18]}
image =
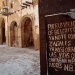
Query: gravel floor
{"type": "Point", "coordinates": [19, 61]}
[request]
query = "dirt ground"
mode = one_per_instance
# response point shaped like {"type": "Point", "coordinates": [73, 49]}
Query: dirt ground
{"type": "Point", "coordinates": [19, 61]}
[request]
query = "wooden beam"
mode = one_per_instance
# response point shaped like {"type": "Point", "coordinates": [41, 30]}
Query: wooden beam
{"type": "Point", "coordinates": [29, 2]}
{"type": "Point", "coordinates": [23, 6]}
{"type": "Point", "coordinates": [26, 4]}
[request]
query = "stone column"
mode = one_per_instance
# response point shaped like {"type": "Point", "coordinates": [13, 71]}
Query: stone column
{"type": "Point", "coordinates": [7, 31]}
{"type": "Point", "coordinates": [19, 37]}
{"type": "Point", "coordinates": [1, 36]}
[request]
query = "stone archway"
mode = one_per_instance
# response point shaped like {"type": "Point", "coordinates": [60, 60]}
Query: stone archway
{"type": "Point", "coordinates": [26, 32]}
{"type": "Point", "coordinates": [13, 34]}
{"type": "Point", "coordinates": [2, 31]}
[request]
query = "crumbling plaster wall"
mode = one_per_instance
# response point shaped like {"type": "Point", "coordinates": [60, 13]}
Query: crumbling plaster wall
{"type": "Point", "coordinates": [0, 4]}
{"type": "Point", "coordinates": [36, 20]}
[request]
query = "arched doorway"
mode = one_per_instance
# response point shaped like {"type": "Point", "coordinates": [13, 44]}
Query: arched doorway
{"type": "Point", "coordinates": [13, 34]}
{"type": "Point", "coordinates": [2, 32]}
{"type": "Point", "coordinates": [27, 35]}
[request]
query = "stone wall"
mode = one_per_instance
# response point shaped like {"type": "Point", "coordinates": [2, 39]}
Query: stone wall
{"type": "Point", "coordinates": [18, 15]}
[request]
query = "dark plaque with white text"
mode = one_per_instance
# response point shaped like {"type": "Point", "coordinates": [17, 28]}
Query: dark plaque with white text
{"type": "Point", "coordinates": [60, 45]}
{"type": "Point", "coordinates": [57, 37]}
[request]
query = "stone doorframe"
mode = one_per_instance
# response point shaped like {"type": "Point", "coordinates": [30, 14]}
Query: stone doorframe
{"type": "Point", "coordinates": [2, 24]}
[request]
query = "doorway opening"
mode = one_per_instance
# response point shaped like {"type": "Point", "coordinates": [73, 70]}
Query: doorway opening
{"type": "Point", "coordinates": [3, 32]}
{"type": "Point", "coordinates": [13, 34]}
{"type": "Point", "coordinates": [27, 33]}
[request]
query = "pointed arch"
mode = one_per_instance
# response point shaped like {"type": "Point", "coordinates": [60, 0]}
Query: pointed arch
{"type": "Point", "coordinates": [26, 32]}
{"type": "Point", "coordinates": [13, 33]}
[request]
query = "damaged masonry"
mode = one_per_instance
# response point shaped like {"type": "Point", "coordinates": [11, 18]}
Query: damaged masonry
{"type": "Point", "coordinates": [19, 37]}
{"type": "Point", "coordinates": [19, 23]}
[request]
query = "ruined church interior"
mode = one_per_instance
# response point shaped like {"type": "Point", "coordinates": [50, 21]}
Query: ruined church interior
{"type": "Point", "coordinates": [19, 23]}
